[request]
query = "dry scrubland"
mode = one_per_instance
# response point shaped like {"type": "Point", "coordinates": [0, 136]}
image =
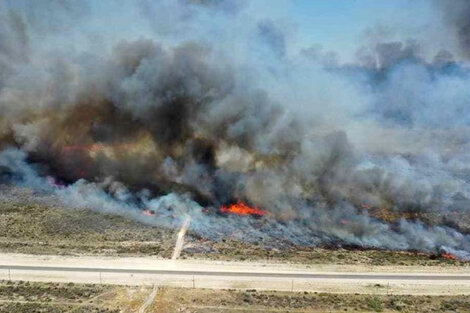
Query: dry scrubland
{"type": "Point", "coordinates": [22, 297]}
{"type": "Point", "coordinates": [39, 229]}
{"type": "Point", "coordinates": [33, 228]}
{"type": "Point", "coordinates": [18, 297]}
{"type": "Point", "coordinates": [231, 301]}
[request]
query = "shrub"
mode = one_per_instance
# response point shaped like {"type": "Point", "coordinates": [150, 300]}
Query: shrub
{"type": "Point", "coordinates": [374, 303]}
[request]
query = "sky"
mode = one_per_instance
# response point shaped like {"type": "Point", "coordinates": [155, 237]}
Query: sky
{"type": "Point", "coordinates": [342, 26]}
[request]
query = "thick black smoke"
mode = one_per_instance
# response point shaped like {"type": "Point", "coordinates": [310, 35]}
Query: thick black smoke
{"type": "Point", "coordinates": [372, 153]}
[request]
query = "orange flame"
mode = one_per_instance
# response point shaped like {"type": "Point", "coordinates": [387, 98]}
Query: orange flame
{"type": "Point", "coordinates": [448, 256]}
{"type": "Point", "coordinates": [148, 212]}
{"type": "Point", "coordinates": [242, 209]}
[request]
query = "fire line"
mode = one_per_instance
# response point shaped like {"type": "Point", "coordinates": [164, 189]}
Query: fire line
{"type": "Point", "coordinates": [240, 208]}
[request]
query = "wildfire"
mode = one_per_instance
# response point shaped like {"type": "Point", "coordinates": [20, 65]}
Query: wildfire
{"type": "Point", "coordinates": [148, 212]}
{"type": "Point", "coordinates": [448, 256]}
{"type": "Point", "coordinates": [242, 209]}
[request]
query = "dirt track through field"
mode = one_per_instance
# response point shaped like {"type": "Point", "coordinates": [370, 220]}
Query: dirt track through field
{"type": "Point", "coordinates": [148, 302]}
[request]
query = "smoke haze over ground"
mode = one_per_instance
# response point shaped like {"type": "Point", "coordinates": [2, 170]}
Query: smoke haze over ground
{"type": "Point", "coordinates": [183, 106]}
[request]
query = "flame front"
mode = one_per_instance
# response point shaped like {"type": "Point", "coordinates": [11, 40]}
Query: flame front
{"type": "Point", "coordinates": [241, 208]}
{"type": "Point", "coordinates": [449, 256]}
{"type": "Point", "coordinates": [148, 212]}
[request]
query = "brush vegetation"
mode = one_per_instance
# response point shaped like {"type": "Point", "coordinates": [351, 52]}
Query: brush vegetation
{"type": "Point", "coordinates": [19, 296]}
{"type": "Point", "coordinates": [231, 301]}
{"type": "Point", "coordinates": [36, 297]}
{"type": "Point", "coordinates": [39, 229]}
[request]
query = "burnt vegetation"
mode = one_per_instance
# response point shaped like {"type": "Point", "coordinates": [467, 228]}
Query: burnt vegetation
{"type": "Point", "coordinates": [27, 227]}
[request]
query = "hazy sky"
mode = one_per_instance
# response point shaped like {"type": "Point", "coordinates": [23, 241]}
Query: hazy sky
{"type": "Point", "coordinates": [339, 25]}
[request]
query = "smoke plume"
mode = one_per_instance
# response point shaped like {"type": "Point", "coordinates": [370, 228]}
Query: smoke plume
{"type": "Point", "coordinates": [175, 115]}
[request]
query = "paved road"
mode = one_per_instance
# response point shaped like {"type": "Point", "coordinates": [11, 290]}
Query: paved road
{"type": "Point", "coordinates": [422, 277]}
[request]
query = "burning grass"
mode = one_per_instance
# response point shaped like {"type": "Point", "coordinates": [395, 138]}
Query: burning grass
{"type": "Point", "coordinates": [231, 250]}
{"type": "Point", "coordinates": [241, 208]}
{"type": "Point", "coordinates": [27, 227]}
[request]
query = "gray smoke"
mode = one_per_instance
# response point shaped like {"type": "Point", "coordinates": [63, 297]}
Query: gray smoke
{"type": "Point", "coordinates": [317, 224]}
{"type": "Point", "coordinates": [457, 15]}
{"type": "Point", "coordinates": [372, 153]}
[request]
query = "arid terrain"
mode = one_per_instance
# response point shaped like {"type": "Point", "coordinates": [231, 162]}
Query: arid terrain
{"type": "Point", "coordinates": [21, 297]}
{"type": "Point", "coordinates": [83, 237]}
{"type": "Point", "coordinates": [234, 156]}
{"type": "Point", "coordinates": [32, 228]}
{"type": "Point", "coordinates": [230, 301]}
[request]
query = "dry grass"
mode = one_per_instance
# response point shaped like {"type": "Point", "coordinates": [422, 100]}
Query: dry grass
{"type": "Point", "coordinates": [53, 297]}
{"type": "Point", "coordinates": [37, 229]}
{"type": "Point", "coordinates": [229, 301]}
{"type": "Point", "coordinates": [241, 251]}
{"type": "Point", "coordinates": [38, 297]}
{"type": "Point", "coordinates": [33, 228]}
{"type": "Point", "coordinates": [21, 297]}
